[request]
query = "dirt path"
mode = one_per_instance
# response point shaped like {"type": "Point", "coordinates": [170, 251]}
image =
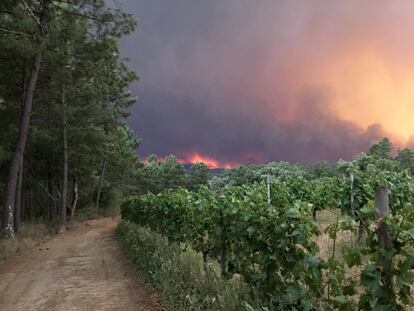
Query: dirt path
{"type": "Point", "coordinates": [83, 269]}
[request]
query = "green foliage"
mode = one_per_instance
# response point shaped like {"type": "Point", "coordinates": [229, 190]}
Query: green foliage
{"type": "Point", "coordinates": [246, 175]}
{"type": "Point", "coordinates": [321, 169]}
{"type": "Point", "coordinates": [360, 177]}
{"type": "Point", "coordinates": [377, 294]}
{"type": "Point", "coordinates": [156, 175]}
{"type": "Point", "coordinates": [321, 193]}
{"type": "Point", "coordinates": [381, 150]}
{"type": "Point", "coordinates": [281, 170]}
{"type": "Point", "coordinates": [181, 278]}
{"type": "Point", "coordinates": [405, 159]}
{"type": "Point", "coordinates": [81, 55]}
{"type": "Point", "coordinates": [222, 181]}
{"type": "Point", "coordinates": [270, 247]}
{"type": "Point", "coordinates": [255, 173]}
{"type": "Point", "coordinates": [198, 176]}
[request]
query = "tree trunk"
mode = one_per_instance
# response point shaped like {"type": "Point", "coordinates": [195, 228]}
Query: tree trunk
{"type": "Point", "coordinates": [18, 206]}
{"type": "Point", "coordinates": [62, 216]}
{"type": "Point", "coordinates": [45, 214]}
{"type": "Point", "coordinates": [10, 194]}
{"type": "Point", "coordinates": [23, 207]}
{"type": "Point", "coordinates": [50, 212]}
{"type": "Point", "coordinates": [50, 202]}
{"type": "Point", "coordinates": [30, 204]}
{"type": "Point", "coordinates": [75, 199]}
{"type": "Point", "coordinates": [98, 196]}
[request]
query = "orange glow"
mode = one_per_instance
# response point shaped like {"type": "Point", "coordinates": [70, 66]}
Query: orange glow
{"type": "Point", "coordinates": [368, 90]}
{"type": "Point", "coordinates": [363, 86]}
{"type": "Point", "coordinates": [209, 161]}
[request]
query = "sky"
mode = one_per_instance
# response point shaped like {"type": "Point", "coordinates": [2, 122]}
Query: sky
{"type": "Point", "coordinates": [240, 81]}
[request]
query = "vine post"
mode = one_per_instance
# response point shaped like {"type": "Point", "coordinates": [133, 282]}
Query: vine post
{"type": "Point", "coordinates": [351, 178]}
{"type": "Point", "coordinates": [268, 188]}
{"type": "Point", "coordinates": [223, 245]}
{"type": "Point", "coordinates": [352, 195]}
{"type": "Point", "coordinates": [382, 209]}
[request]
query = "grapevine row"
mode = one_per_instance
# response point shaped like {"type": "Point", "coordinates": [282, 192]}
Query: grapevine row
{"type": "Point", "coordinates": [270, 247]}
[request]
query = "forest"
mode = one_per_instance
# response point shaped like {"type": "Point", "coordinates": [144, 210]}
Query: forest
{"type": "Point", "coordinates": [64, 99]}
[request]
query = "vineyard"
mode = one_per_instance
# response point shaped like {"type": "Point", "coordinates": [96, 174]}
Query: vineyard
{"type": "Point", "coordinates": [273, 187]}
{"type": "Point", "coordinates": [272, 245]}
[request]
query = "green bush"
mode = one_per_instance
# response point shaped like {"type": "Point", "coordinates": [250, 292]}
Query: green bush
{"type": "Point", "coordinates": [179, 274]}
{"type": "Point", "coordinates": [274, 251]}
{"type": "Point", "coordinates": [270, 247]}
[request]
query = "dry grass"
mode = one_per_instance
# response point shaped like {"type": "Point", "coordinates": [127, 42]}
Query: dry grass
{"type": "Point", "coordinates": [326, 244]}
{"type": "Point", "coordinates": [30, 236]}
{"type": "Point", "coordinates": [344, 238]}
{"type": "Point", "coordinates": [326, 218]}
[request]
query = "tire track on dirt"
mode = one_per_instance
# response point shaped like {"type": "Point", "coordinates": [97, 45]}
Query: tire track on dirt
{"type": "Point", "coordinates": [83, 269]}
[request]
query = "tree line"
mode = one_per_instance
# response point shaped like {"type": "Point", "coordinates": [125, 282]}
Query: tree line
{"type": "Point", "coordinates": [401, 159]}
{"type": "Point", "coordinates": [63, 98]}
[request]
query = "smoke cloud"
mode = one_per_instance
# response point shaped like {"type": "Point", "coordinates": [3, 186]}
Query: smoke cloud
{"type": "Point", "coordinates": [242, 81]}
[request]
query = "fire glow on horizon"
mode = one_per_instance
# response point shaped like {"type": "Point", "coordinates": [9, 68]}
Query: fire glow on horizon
{"type": "Point", "coordinates": [211, 162]}
{"type": "Point", "coordinates": [196, 157]}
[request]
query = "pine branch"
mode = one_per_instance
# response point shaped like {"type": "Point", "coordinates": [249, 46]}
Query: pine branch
{"type": "Point", "coordinates": [75, 13]}
{"type": "Point", "coordinates": [14, 32]}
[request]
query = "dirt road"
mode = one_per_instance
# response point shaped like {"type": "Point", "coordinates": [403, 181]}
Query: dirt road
{"type": "Point", "coordinates": [83, 269]}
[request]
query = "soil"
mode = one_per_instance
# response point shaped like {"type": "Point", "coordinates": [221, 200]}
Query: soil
{"type": "Point", "coordinates": [83, 269]}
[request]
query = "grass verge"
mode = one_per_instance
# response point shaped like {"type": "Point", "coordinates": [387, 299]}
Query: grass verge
{"type": "Point", "coordinates": [179, 275]}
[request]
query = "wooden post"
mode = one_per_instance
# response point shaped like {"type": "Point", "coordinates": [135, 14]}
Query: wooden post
{"type": "Point", "coordinates": [223, 245]}
{"type": "Point", "coordinates": [382, 209]}
{"type": "Point", "coordinates": [268, 189]}
{"type": "Point", "coordinates": [352, 195]}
